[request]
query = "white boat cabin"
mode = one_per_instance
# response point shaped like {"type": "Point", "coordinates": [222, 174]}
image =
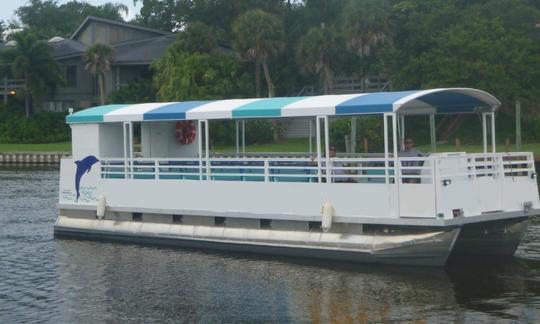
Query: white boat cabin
{"type": "Point", "coordinates": [173, 171]}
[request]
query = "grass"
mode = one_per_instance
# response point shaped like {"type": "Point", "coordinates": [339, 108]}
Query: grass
{"type": "Point", "coordinates": [46, 147]}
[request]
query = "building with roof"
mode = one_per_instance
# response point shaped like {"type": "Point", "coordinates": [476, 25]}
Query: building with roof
{"type": "Point", "coordinates": [135, 48]}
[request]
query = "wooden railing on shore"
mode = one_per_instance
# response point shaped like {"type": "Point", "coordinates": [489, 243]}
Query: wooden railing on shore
{"type": "Point", "coordinates": [32, 157]}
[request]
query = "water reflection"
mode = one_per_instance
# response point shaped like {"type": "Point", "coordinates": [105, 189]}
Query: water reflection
{"type": "Point", "coordinates": [47, 279]}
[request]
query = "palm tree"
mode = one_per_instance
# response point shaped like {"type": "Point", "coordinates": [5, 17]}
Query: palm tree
{"type": "Point", "coordinates": [98, 60]}
{"type": "Point", "coordinates": [319, 52]}
{"type": "Point", "coordinates": [259, 37]}
{"type": "Point", "coordinates": [31, 60]}
{"type": "Point", "coordinates": [366, 25]}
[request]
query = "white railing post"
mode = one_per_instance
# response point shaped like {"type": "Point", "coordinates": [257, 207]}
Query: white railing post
{"type": "Point", "coordinates": [484, 132]}
{"type": "Point", "coordinates": [327, 150]}
{"type": "Point", "coordinates": [199, 130]}
{"type": "Point", "coordinates": [397, 171]}
{"type": "Point", "coordinates": [318, 129]}
{"type": "Point", "coordinates": [131, 149]}
{"type": "Point", "coordinates": [432, 135]}
{"type": "Point", "coordinates": [266, 171]}
{"type": "Point", "coordinates": [386, 156]}
{"type": "Point", "coordinates": [207, 149]}
{"type": "Point", "coordinates": [156, 168]}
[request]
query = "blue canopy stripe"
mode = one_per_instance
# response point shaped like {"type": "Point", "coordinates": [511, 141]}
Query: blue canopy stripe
{"type": "Point", "coordinates": [174, 111]}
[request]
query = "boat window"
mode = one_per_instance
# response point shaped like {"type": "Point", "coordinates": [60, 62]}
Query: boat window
{"type": "Point", "coordinates": [265, 223]}
{"type": "Point", "coordinates": [136, 217]}
{"type": "Point", "coordinates": [177, 219]}
{"type": "Point", "coordinates": [219, 221]}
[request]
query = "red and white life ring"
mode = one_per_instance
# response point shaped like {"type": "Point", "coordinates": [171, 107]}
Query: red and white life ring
{"type": "Point", "coordinates": [186, 132]}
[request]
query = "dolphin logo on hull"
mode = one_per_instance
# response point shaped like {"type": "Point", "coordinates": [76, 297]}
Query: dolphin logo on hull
{"type": "Point", "coordinates": [83, 166]}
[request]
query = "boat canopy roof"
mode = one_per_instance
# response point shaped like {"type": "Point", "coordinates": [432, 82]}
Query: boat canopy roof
{"type": "Point", "coordinates": [439, 101]}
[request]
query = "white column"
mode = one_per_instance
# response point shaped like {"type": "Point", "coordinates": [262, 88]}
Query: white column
{"type": "Point", "coordinates": [237, 138]}
{"type": "Point", "coordinates": [327, 149]}
{"type": "Point", "coordinates": [397, 175]}
{"type": "Point", "coordinates": [310, 136]}
{"type": "Point", "coordinates": [484, 132]}
{"type": "Point", "coordinates": [200, 139]}
{"type": "Point", "coordinates": [402, 132]}
{"type": "Point", "coordinates": [493, 139]}
{"type": "Point", "coordinates": [318, 129]}
{"type": "Point", "coordinates": [131, 149]}
{"type": "Point", "coordinates": [207, 149]}
{"type": "Point", "coordinates": [243, 137]}
{"type": "Point", "coordinates": [125, 128]}
{"type": "Point", "coordinates": [385, 129]}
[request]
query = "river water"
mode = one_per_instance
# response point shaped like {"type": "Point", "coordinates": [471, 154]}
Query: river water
{"type": "Point", "coordinates": [43, 279]}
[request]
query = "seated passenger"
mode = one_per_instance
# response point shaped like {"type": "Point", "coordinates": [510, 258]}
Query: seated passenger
{"type": "Point", "coordinates": [410, 151]}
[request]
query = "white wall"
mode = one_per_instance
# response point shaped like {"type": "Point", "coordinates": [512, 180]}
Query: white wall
{"type": "Point", "coordinates": [85, 140]}
{"type": "Point", "coordinates": [111, 140]}
{"type": "Point", "coordinates": [159, 140]}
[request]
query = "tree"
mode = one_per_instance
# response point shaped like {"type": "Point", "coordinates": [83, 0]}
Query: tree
{"type": "Point", "coordinates": [319, 52]}
{"type": "Point", "coordinates": [259, 37]}
{"type": "Point", "coordinates": [31, 60]}
{"type": "Point", "coordinates": [192, 69]}
{"type": "Point", "coordinates": [98, 60]}
{"type": "Point", "coordinates": [47, 19]}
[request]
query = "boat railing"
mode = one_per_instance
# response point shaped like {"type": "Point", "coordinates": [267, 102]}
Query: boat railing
{"type": "Point", "coordinates": [409, 170]}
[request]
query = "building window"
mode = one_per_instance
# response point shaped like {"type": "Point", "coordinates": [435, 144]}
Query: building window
{"type": "Point", "coordinates": [71, 76]}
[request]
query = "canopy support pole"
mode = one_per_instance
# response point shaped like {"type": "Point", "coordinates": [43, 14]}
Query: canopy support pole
{"type": "Point", "coordinates": [199, 140]}
{"type": "Point", "coordinates": [401, 127]}
{"type": "Point", "coordinates": [237, 139]}
{"type": "Point", "coordinates": [386, 155]}
{"type": "Point", "coordinates": [432, 135]}
{"type": "Point", "coordinates": [243, 137]}
{"type": "Point", "coordinates": [310, 136]}
{"type": "Point", "coordinates": [353, 134]}
{"type": "Point", "coordinates": [493, 139]}
{"type": "Point", "coordinates": [318, 130]}
{"type": "Point", "coordinates": [327, 149]}
{"type": "Point", "coordinates": [397, 175]}
{"type": "Point", "coordinates": [207, 148]}
{"type": "Point", "coordinates": [484, 132]}
{"type": "Point", "coordinates": [131, 149]}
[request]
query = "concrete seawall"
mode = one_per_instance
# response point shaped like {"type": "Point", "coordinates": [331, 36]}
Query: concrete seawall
{"type": "Point", "coordinates": [32, 157]}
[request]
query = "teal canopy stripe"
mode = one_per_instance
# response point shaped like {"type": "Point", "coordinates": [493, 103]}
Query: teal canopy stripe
{"type": "Point", "coordinates": [270, 107]}
{"type": "Point", "coordinates": [377, 102]}
{"type": "Point", "coordinates": [174, 111]}
{"type": "Point", "coordinates": [92, 114]}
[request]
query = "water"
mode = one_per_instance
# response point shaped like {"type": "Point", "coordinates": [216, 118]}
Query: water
{"type": "Point", "coordinates": [43, 279]}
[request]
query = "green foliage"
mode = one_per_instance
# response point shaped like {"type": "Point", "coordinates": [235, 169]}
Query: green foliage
{"type": "Point", "coordinates": [136, 92]}
{"type": "Point", "coordinates": [259, 37]}
{"type": "Point", "coordinates": [184, 76]}
{"type": "Point", "coordinates": [39, 128]}
{"type": "Point", "coordinates": [32, 60]}
{"type": "Point", "coordinates": [223, 132]}
{"type": "Point", "coordinates": [367, 127]}
{"type": "Point", "coordinates": [46, 18]}
{"type": "Point", "coordinates": [319, 53]}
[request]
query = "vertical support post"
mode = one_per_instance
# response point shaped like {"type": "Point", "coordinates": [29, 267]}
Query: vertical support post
{"type": "Point", "coordinates": [310, 137]}
{"type": "Point", "coordinates": [353, 134]}
{"type": "Point", "coordinates": [402, 132]}
{"type": "Point", "coordinates": [327, 150]}
{"type": "Point", "coordinates": [266, 171]}
{"type": "Point", "coordinates": [125, 137]}
{"type": "Point", "coordinates": [318, 126]}
{"type": "Point", "coordinates": [518, 126]}
{"type": "Point", "coordinates": [432, 134]}
{"type": "Point", "coordinates": [244, 137]}
{"type": "Point", "coordinates": [199, 131]}
{"type": "Point", "coordinates": [131, 149]}
{"type": "Point", "coordinates": [385, 129]}
{"type": "Point", "coordinates": [397, 171]}
{"type": "Point", "coordinates": [237, 139]}
{"type": "Point", "coordinates": [484, 132]}
{"type": "Point", "coordinates": [207, 148]}
{"type": "Point", "coordinates": [493, 138]}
